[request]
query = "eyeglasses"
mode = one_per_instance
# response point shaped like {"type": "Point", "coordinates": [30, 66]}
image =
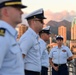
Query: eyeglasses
{"type": "Point", "coordinates": [48, 33]}
{"type": "Point", "coordinates": [41, 21]}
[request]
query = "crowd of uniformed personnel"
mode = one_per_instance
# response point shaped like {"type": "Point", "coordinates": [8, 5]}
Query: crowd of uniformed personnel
{"type": "Point", "coordinates": [29, 55]}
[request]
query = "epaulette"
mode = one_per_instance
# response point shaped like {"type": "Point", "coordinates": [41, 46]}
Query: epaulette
{"type": "Point", "coordinates": [2, 31]}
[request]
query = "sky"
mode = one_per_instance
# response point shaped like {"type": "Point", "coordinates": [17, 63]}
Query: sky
{"type": "Point", "coordinates": [52, 5]}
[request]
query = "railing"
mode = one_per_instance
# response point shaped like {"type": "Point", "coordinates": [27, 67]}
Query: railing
{"type": "Point", "coordinates": [71, 68]}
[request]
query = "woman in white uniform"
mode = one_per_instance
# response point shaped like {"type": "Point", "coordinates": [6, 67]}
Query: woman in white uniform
{"type": "Point", "coordinates": [59, 56]}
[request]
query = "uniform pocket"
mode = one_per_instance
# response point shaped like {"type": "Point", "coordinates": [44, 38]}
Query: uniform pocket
{"type": "Point", "coordinates": [55, 54]}
{"type": "Point", "coordinates": [15, 49]}
{"type": "Point", "coordinates": [64, 54]}
{"type": "Point", "coordinates": [36, 47]}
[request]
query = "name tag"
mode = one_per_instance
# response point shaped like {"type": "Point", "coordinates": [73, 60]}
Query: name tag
{"type": "Point", "coordinates": [64, 50]}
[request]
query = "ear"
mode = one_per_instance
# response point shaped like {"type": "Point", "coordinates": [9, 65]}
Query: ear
{"type": "Point", "coordinates": [5, 12]}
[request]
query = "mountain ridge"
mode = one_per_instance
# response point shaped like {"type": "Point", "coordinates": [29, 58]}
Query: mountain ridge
{"type": "Point", "coordinates": [54, 27]}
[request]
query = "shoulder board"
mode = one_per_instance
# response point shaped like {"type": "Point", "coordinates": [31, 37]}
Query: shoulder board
{"type": "Point", "coordinates": [2, 31]}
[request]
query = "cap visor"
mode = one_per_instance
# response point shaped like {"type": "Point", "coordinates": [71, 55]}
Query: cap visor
{"type": "Point", "coordinates": [19, 6]}
{"type": "Point", "coordinates": [23, 6]}
{"type": "Point", "coordinates": [43, 17]}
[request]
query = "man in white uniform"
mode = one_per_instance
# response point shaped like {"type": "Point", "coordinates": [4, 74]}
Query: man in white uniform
{"type": "Point", "coordinates": [29, 43]}
{"type": "Point", "coordinates": [44, 37]}
{"type": "Point", "coordinates": [11, 61]}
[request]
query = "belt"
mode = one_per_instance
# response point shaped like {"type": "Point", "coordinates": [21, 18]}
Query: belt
{"type": "Point", "coordinates": [33, 72]}
{"type": "Point", "coordinates": [60, 64]}
{"type": "Point", "coordinates": [44, 67]}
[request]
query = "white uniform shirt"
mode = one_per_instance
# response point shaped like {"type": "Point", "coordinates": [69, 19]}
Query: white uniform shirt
{"type": "Point", "coordinates": [30, 47]}
{"type": "Point", "coordinates": [44, 53]}
{"type": "Point", "coordinates": [11, 61]}
{"type": "Point", "coordinates": [60, 55]}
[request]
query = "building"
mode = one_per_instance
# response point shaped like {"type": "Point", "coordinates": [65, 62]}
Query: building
{"type": "Point", "coordinates": [73, 32]}
{"type": "Point", "coordinates": [21, 28]}
{"type": "Point", "coordinates": [74, 21]}
{"type": "Point", "coordinates": [62, 31]}
{"type": "Point", "coordinates": [73, 37]}
{"type": "Point", "coordinates": [73, 29]}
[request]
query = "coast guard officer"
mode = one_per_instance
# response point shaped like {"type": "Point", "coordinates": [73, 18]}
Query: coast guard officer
{"type": "Point", "coordinates": [44, 37]}
{"type": "Point", "coordinates": [29, 43]}
{"type": "Point", "coordinates": [11, 61]}
{"type": "Point", "coordinates": [59, 56]}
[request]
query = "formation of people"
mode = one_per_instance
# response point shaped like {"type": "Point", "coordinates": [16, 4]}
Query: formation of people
{"type": "Point", "coordinates": [29, 55]}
